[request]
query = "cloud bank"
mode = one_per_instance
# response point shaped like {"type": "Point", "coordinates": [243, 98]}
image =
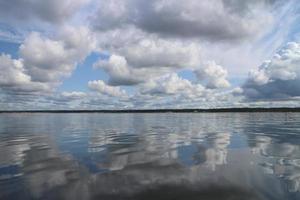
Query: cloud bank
{"type": "Point", "coordinates": [88, 54]}
{"type": "Point", "coordinates": [277, 78]}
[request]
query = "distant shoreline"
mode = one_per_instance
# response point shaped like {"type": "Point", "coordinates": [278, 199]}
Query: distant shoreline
{"type": "Point", "coordinates": [215, 110]}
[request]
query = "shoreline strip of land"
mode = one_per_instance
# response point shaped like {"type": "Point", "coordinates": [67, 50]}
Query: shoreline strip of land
{"type": "Point", "coordinates": [213, 110]}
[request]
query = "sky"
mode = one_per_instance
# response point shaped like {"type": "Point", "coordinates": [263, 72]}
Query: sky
{"type": "Point", "coordinates": [141, 54]}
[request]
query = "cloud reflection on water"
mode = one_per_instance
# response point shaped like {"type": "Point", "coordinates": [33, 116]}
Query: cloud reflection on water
{"type": "Point", "coordinates": [163, 156]}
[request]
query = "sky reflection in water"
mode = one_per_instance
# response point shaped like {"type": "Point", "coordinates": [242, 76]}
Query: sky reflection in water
{"type": "Point", "coordinates": [150, 156]}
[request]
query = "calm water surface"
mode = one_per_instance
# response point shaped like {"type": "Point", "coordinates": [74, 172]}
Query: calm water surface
{"type": "Point", "coordinates": [150, 156]}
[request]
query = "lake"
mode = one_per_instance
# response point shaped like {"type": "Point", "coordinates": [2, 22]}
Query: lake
{"type": "Point", "coordinates": [150, 156]}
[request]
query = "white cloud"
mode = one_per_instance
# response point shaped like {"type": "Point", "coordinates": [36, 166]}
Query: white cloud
{"type": "Point", "coordinates": [44, 62]}
{"type": "Point", "coordinates": [138, 59]}
{"type": "Point", "coordinates": [121, 30]}
{"type": "Point", "coordinates": [258, 77]}
{"type": "Point", "coordinates": [147, 44]}
{"type": "Point", "coordinates": [214, 75]}
{"type": "Point", "coordinates": [101, 87]}
{"type": "Point", "coordinates": [50, 60]}
{"type": "Point", "coordinates": [73, 95]}
{"type": "Point", "coordinates": [278, 77]}
{"type": "Point", "coordinates": [171, 84]}
{"type": "Point", "coordinates": [12, 71]}
{"type": "Point", "coordinates": [154, 52]}
{"type": "Point", "coordinates": [120, 73]}
{"type": "Point", "coordinates": [13, 77]}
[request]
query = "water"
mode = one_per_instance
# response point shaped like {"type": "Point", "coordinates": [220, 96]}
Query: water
{"type": "Point", "coordinates": [150, 156]}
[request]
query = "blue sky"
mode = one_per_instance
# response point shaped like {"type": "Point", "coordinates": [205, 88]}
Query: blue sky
{"type": "Point", "coordinates": [87, 54]}
{"type": "Point", "coordinates": [84, 73]}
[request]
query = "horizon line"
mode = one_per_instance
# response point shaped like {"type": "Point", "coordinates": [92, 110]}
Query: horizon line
{"type": "Point", "coordinates": [162, 110]}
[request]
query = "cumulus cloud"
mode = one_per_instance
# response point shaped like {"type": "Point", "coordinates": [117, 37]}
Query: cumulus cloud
{"type": "Point", "coordinates": [213, 19]}
{"type": "Point", "coordinates": [73, 95]}
{"type": "Point", "coordinates": [171, 84]}
{"type": "Point", "coordinates": [12, 71]}
{"type": "Point", "coordinates": [278, 77]}
{"type": "Point", "coordinates": [119, 72]}
{"type": "Point", "coordinates": [49, 60]}
{"type": "Point", "coordinates": [13, 77]}
{"type": "Point", "coordinates": [147, 44]}
{"type": "Point", "coordinates": [148, 40]}
{"type": "Point", "coordinates": [101, 87]}
{"type": "Point", "coordinates": [54, 11]}
{"type": "Point", "coordinates": [44, 62]}
{"type": "Point", "coordinates": [139, 60]}
{"type": "Point", "coordinates": [63, 100]}
{"type": "Point", "coordinates": [120, 36]}
{"type": "Point", "coordinates": [153, 52]}
{"type": "Point", "coordinates": [214, 75]}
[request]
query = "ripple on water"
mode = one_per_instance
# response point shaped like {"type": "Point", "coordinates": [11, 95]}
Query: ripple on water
{"type": "Point", "coordinates": [89, 156]}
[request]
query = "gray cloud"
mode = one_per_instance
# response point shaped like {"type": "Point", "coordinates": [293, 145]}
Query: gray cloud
{"type": "Point", "coordinates": [137, 60]}
{"type": "Point", "coordinates": [148, 44]}
{"type": "Point", "coordinates": [13, 77]}
{"type": "Point", "coordinates": [53, 11]}
{"type": "Point", "coordinates": [278, 78]}
{"type": "Point", "coordinates": [121, 73]}
{"type": "Point", "coordinates": [214, 19]}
